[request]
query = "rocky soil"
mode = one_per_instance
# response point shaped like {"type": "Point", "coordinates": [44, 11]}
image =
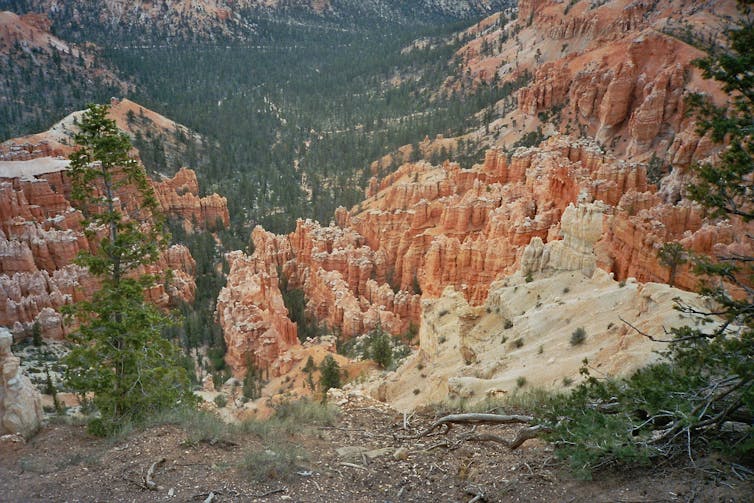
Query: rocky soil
{"type": "Point", "coordinates": [363, 455]}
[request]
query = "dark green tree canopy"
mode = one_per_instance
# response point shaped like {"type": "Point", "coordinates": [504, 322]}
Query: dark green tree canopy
{"type": "Point", "coordinates": [102, 172]}
{"type": "Point", "coordinates": [121, 356]}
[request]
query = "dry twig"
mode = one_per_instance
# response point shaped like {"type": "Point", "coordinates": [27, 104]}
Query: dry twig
{"type": "Point", "coordinates": [149, 482]}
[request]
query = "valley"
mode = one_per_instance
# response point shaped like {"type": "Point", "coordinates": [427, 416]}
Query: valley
{"type": "Point", "coordinates": [461, 206]}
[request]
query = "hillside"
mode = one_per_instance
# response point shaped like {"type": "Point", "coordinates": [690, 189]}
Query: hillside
{"type": "Point", "coordinates": [346, 458]}
{"type": "Point", "coordinates": [213, 21]}
{"type": "Point", "coordinates": [41, 234]}
{"type": "Point", "coordinates": [44, 76]}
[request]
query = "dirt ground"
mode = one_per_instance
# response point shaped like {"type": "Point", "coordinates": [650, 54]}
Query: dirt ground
{"type": "Point", "coordinates": [355, 459]}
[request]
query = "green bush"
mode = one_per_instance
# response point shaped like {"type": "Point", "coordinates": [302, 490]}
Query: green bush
{"type": "Point", "coordinates": [329, 371]}
{"type": "Point", "coordinates": [578, 336]}
{"type": "Point", "coordinates": [379, 348]}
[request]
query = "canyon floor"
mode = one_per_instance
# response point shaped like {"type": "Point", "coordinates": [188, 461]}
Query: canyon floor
{"type": "Point", "coordinates": [353, 458]}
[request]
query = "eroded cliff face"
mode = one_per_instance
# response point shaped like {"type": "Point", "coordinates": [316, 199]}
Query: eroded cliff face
{"type": "Point", "coordinates": [41, 234]}
{"type": "Point", "coordinates": [522, 336]}
{"type": "Point", "coordinates": [255, 321]}
{"type": "Point", "coordinates": [564, 205]}
{"type": "Point", "coordinates": [179, 198]}
{"type": "Point", "coordinates": [20, 402]}
{"type": "Point", "coordinates": [616, 71]}
{"type": "Point", "coordinates": [595, 201]}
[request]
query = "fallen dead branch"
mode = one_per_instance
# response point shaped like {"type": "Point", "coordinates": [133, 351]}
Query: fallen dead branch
{"type": "Point", "coordinates": [476, 418]}
{"type": "Point", "coordinates": [477, 493]}
{"type": "Point", "coordinates": [270, 493]}
{"type": "Point", "coordinates": [522, 436]}
{"type": "Point", "coordinates": [149, 482]}
{"type": "Point", "coordinates": [353, 465]}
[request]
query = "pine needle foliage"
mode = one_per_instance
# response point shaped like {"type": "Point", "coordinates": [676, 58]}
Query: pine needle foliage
{"type": "Point", "coordinates": [120, 358]}
{"type": "Point", "coordinates": [329, 375]}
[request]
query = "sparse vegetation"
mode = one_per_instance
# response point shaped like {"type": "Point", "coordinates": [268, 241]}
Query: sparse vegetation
{"type": "Point", "coordinates": [329, 371]}
{"type": "Point", "coordinates": [578, 336]}
{"type": "Point", "coordinates": [278, 461]}
{"type": "Point", "coordinates": [221, 401]}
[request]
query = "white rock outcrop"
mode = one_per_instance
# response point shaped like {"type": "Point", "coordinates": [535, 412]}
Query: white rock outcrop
{"type": "Point", "coordinates": [20, 402]}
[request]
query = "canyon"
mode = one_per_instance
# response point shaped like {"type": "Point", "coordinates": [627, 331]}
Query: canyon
{"type": "Point", "coordinates": [591, 200]}
{"type": "Point", "coordinates": [595, 200]}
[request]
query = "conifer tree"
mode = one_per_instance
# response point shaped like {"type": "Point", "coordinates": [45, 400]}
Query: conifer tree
{"type": "Point", "coordinates": [329, 375]}
{"type": "Point", "coordinates": [121, 356]}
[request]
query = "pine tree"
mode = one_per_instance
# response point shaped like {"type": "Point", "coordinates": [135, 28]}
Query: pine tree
{"type": "Point", "coordinates": [309, 369]}
{"type": "Point", "coordinates": [36, 334]}
{"type": "Point", "coordinates": [380, 349]}
{"type": "Point", "coordinates": [121, 356]}
{"type": "Point", "coordinates": [329, 374]}
{"type": "Point", "coordinates": [672, 255]}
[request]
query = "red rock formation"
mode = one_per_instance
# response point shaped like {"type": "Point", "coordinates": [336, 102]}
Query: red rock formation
{"type": "Point", "coordinates": [179, 197]}
{"type": "Point", "coordinates": [250, 308]}
{"type": "Point", "coordinates": [40, 236]}
{"type": "Point", "coordinates": [439, 226]}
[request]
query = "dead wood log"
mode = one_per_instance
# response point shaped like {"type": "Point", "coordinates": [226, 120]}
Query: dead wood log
{"type": "Point", "coordinates": [149, 482]}
{"type": "Point", "coordinates": [476, 418]}
{"type": "Point", "coordinates": [477, 492]}
{"type": "Point", "coordinates": [522, 436]}
{"type": "Point", "coordinates": [270, 493]}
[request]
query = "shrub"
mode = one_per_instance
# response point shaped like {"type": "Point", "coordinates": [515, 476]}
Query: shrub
{"type": "Point", "coordinates": [521, 381]}
{"type": "Point", "coordinates": [279, 461]}
{"type": "Point", "coordinates": [578, 336]}
{"type": "Point", "coordinates": [36, 334]}
{"type": "Point", "coordinates": [329, 374]}
{"type": "Point", "coordinates": [380, 350]}
{"type": "Point", "coordinates": [221, 401]}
